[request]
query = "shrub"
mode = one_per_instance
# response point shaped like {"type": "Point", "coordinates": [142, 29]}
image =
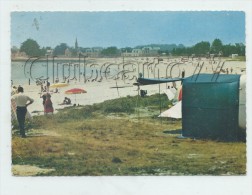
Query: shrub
{"type": "Point", "coordinates": [75, 113]}
{"type": "Point", "coordinates": [118, 105]}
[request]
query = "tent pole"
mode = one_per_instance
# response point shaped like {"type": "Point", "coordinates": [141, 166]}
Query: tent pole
{"type": "Point", "coordinates": [117, 89]}
{"type": "Point", "coordinates": [159, 97]}
{"type": "Point", "coordinates": [138, 104]}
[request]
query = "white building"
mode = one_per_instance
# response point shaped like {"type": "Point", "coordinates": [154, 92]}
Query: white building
{"type": "Point", "coordinates": [145, 51]}
{"type": "Point", "coordinates": [234, 55]}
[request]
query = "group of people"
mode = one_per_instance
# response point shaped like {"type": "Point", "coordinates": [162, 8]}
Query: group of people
{"type": "Point", "coordinates": [22, 101]}
{"type": "Point", "coordinates": [227, 70]}
{"type": "Point", "coordinates": [45, 86]}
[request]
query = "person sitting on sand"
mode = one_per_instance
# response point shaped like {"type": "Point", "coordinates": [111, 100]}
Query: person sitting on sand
{"type": "Point", "coordinates": [48, 106]}
{"type": "Point", "coordinates": [66, 101]}
{"type": "Point", "coordinates": [56, 90]}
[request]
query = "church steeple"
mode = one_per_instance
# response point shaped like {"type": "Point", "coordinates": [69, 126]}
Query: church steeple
{"type": "Point", "coordinates": [76, 44]}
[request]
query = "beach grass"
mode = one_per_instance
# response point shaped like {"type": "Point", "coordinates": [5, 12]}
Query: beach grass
{"type": "Point", "coordinates": [130, 140]}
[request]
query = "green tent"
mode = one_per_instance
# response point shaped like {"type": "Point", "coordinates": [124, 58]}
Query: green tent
{"type": "Point", "coordinates": [210, 106]}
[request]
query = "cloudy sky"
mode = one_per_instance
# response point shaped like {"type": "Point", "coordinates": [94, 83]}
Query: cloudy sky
{"type": "Point", "coordinates": [123, 29]}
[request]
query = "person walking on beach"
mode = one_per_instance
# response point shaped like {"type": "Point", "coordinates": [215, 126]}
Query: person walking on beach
{"type": "Point", "coordinates": [41, 88]}
{"type": "Point", "coordinates": [22, 101]}
{"type": "Point", "coordinates": [47, 86]}
{"type": "Point", "coordinates": [48, 106]}
{"type": "Point", "coordinates": [183, 73]}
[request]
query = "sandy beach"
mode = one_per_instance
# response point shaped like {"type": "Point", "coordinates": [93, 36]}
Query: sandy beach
{"type": "Point", "coordinates": [115, 88]}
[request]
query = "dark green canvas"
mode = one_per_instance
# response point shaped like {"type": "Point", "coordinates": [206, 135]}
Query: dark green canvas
{"type": "Point", "coordinates": [210, 106]}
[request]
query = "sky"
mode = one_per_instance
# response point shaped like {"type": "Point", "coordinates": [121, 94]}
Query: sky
{"type": "Point", "coordinates": [127, 29]}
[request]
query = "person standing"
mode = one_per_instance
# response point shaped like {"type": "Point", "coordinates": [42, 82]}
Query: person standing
{"type": "Point", "coordinates": [47, 86]}
{"type": "Point", "coordinates": [183, 73]}
{"type": "Point", "coordinates": [44, 98]}
{"type": "Point", "coordinates": [22, 101]}
{"type": "Point", "coordinates": [41, 88]}
{"type": "Point", "coordinates": [48, 106]}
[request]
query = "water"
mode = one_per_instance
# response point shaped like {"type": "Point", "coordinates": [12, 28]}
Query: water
{"type": "Point", "coordinates": [23, 72]}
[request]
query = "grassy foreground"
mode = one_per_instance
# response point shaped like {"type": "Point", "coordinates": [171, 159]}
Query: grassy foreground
{"type": "Point", "coordinates": [115, 138]}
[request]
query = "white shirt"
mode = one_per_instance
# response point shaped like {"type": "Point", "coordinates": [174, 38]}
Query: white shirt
{"type": "Point", "coordinates": [21, 99]}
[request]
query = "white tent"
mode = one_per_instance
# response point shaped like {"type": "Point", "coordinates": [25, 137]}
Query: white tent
{"type": "Point", "coordinates": [173, 112]}
{"type": "Point", "coordinates": [170, 94]}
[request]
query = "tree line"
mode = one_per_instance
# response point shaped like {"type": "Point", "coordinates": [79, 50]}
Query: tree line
{"type": "Point", "coordinates": [32, 48]}
{"type": "Point", "coordinates": [203, 48]}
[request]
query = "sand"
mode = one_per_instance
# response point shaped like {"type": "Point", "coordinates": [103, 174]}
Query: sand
{"type": "Point", "coordinates": [28, 170]}
{"type": "Point", "coordinates": [106, 89]}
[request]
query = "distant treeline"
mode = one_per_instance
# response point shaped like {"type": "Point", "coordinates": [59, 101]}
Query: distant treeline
{"type": "Point", "coordinates": [31, 48]}
{"type": "Point", "coordinates": [205, 49]}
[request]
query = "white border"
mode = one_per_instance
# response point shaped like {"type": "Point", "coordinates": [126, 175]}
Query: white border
{"type": "Point", "coordinates": [114, 185]}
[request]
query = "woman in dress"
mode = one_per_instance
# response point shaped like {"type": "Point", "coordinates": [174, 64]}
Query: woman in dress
{"type": "Point", "coordinates": [48, 106]}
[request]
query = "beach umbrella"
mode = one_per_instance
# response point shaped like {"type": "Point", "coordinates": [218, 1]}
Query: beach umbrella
{"type": "Point", "coordinates": [75, 91]}
{"type": "Point", "coordinates": [57, 85]}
